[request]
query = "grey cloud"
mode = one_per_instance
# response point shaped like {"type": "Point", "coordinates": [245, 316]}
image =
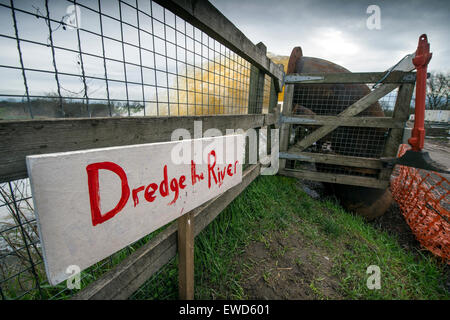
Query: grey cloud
{"type": "Point", "coordinates": [281, 25]}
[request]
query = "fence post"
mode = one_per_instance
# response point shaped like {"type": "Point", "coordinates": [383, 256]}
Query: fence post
{"type": "Point", "coordinates": [273, 97]}
{"type": "Point", "coordinates": [401, 112]}
{"type": "Point", "coordinates": [253, 90]}
{"type": "Point", "coordinates": [285, 128]}
{"type": "Point", "coordinates": [186, 256]}
{"type": "Point", "coordinates": [256, 88]}
{"type": "Point", "coordinates": [255, 103]}
{"type": "Point", "coordinates": [272, 109]}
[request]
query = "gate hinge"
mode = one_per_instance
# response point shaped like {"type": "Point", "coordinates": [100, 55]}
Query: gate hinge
{"type": "Point", "coordinates": [297, 78]}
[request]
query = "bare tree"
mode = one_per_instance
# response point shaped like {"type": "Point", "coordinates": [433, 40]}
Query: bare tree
{"type": "Point", "coordinates": [438, 91]}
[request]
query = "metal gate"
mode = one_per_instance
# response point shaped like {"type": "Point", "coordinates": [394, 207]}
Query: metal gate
{"type": "Point", "coordinates": [336, 127]}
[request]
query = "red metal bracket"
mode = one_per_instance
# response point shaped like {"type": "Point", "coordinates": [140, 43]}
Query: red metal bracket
{"type": "Point", "coordinates": [421, 60]}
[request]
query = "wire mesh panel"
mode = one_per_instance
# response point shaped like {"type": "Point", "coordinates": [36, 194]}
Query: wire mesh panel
{"type": "Point", "coordinates": [266, 94]}
{"type": "Point", "coordinates": [331, 100]}
{"type": "Point", "coordinates": [97, 58]}
{"type": "Point", "coordinates": [112, 58]}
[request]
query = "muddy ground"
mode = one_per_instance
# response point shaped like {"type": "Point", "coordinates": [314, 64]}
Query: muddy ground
{"type": "Point", "coordinates": [288, 266]}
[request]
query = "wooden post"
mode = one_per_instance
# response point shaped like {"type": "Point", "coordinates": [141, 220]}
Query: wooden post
{"type": "Point", "coordinates": [401, 112]}
{"type": "Point", "coordinates": [186, 256]}
{"type": "Point", "coordinates": [273, 99]}
{"type": "Point", "coordinates": [285, 127]}
{"type": "Point", "coordinates": [255, 103]}
{"type": "Point", "coordinates": [253, 90]}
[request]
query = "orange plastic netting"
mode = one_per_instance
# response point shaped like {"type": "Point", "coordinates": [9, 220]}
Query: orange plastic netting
{"type": "Point", "coordinates": [424, 199]}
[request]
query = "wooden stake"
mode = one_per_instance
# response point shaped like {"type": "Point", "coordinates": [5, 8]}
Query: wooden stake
{"type": "Point", "coordinates": [186, 256]}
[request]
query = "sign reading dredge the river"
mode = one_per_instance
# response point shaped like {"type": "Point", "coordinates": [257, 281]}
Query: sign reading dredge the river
{"type": "Point", "coordinates": [92, 203]}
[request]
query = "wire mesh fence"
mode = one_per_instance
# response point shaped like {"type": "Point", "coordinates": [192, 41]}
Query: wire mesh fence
{"type": "Point", "coordinates": [331, 100]}
{"type": "Point", "coordinates": [66, 59]}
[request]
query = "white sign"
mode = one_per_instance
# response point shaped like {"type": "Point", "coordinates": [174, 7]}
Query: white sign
{"type": "Point", "coordinates": [92, 203]}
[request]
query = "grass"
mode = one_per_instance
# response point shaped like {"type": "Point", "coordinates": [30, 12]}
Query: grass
{"type": "Point", "coordinates": [22, 284]}
{"type": "Point", "coordinates": [276, 204]}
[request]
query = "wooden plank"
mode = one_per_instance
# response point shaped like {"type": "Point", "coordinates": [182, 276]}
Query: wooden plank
{"type": "Point", "coordinates": [253, 90]}
{"type": "Point", "coordinates": [30, 137]}
{"type": "Point", "coordinates": [186, 256]}
{"type": "Point", "coordinates": [285, 127]}
{"type": "Point", "coordinates": [336, 178]}
{"type": "Point", "coordinates": [336, 159]}
{"type": "Point", "coordinates": [203, 15]}
{"type": "Point", "coordinates": [353, 110]}
{"type": "Point", "coordinates": [255, 106]}
{"type": "Point", "coordinates": [401, 113]}
{"type": "Point", "coordinates": [369, 122]}
{"type": "Point", "coordinates": [276, 115]}
{"type": "Point", "coordinates": [273, 97]}
{"type": "Point", "coordinates": [353, 77]}
{"type": "Point", "coordinates": [125, 278]}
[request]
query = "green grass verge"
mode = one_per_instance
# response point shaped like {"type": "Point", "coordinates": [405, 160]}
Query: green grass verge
{"type": "Point", "coordinates": [275, 203]}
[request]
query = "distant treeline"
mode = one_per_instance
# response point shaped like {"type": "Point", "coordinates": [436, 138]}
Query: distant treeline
{"type": "Point", "coordinates": [64, 108]}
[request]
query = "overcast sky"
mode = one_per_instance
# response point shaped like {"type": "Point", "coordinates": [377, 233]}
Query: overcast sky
{"type": "Point", "coordinates": [336, 30]}
{"type": "Point", "coordinates": [329, 29]}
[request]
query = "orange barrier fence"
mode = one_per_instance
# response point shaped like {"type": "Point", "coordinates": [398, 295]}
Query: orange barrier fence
{"type": "Point", "coordinates": [424, 199]}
